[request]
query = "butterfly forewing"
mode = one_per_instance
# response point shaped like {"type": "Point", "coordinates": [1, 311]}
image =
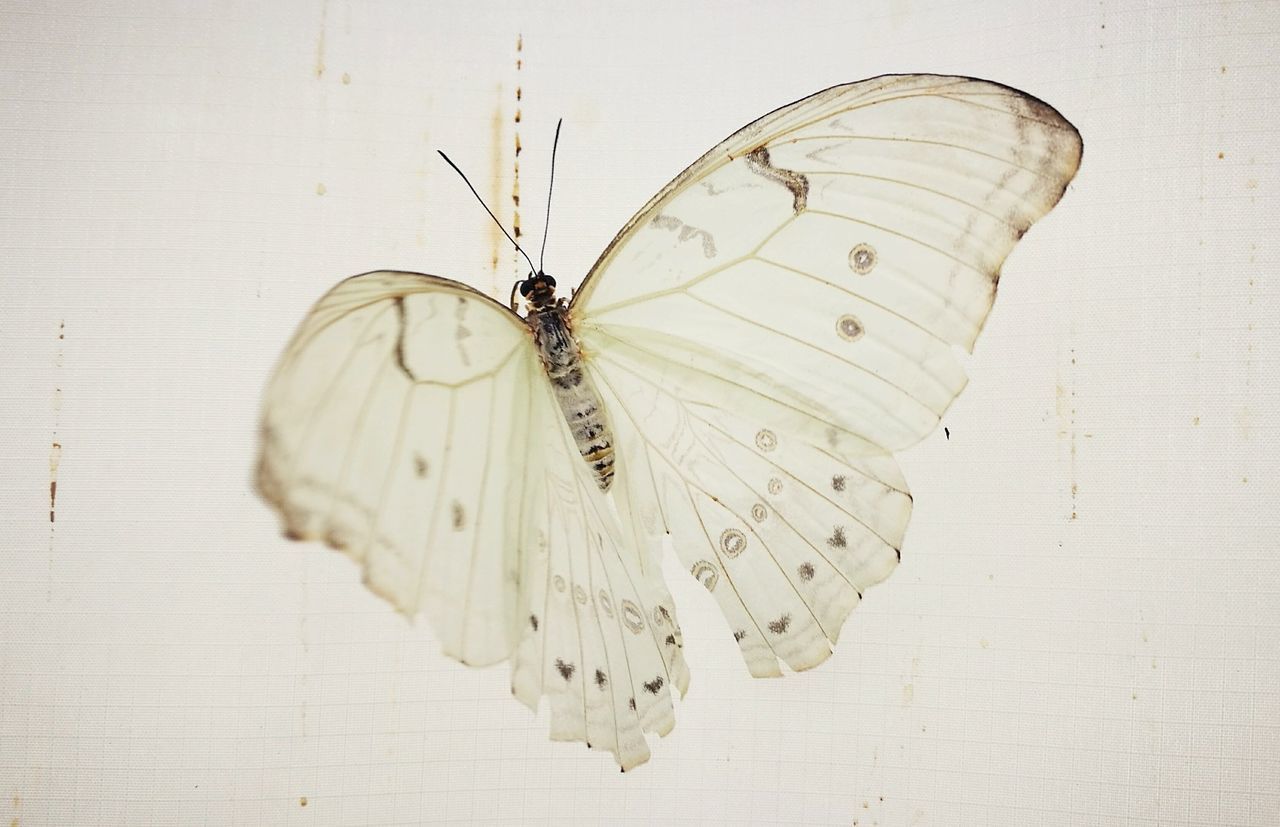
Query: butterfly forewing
{"type": "Point", "coordinates": [410, 424]}
{"type": "Point", "coordinates": [785, 315]}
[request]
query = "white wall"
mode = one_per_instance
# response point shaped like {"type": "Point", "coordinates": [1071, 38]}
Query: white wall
{"type": "Point", "coordinates": [1083, 629]}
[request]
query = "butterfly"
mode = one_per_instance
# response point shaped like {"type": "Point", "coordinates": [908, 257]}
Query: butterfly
{"type": "Point", "coordinates": [734, 374]}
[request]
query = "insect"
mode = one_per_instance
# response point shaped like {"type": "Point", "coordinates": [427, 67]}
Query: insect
{"type": "Point", "coordinates": [734, 373]}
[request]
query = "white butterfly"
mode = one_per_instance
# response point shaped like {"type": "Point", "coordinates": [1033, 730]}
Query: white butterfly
{"type": "Point", "coordinates": [736, 372]}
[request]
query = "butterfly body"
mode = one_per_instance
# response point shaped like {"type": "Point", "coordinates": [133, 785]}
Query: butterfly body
{"type": "Point", "coordinates": [574, 391]}
{"type": "Point", "coordinates": [765, 334]}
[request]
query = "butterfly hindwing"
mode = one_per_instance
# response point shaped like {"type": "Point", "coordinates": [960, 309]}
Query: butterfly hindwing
{"type": "Point", "coordinates": [605, 645]}
{"type": "Point", "coordinates": [785, 523]}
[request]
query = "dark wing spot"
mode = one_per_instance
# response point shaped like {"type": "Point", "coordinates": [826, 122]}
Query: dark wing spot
{"type": "Point", "coordinates": [631, 702]}
{"type": "Point", "coordinates": [459, 516]}
{"type": "Point", "coordinates": [739, 635]}
{"type": "Point", "coordinates": [601, 679]}
{"type": "Point", "coordinates": [759, 163]}
{"type": "Point", "coordinates": [671, 640]}
{"type": "Point", "coordinates": [780, 625]}
{"type": "Point", "coordinates": [946, 431]}
{"type": "Point", "coordinates": [419, 466]}
{"type": "Point", "coordinates": [837, 482]}
{"type": "Point", "coordinates": [654, 685]}
{"type": "Point", "coordinates": [533, 621]}
{"type": "Point", "coordinates": [400, 363]}
{"type": "Point", "coordinates": [565, 669]}
{"type": "Point", "coordinates": [665, 613]}
{"type": "Point", "coordinates": [805, 571]}
{"type": "Point", "coordinates": [837, 540]}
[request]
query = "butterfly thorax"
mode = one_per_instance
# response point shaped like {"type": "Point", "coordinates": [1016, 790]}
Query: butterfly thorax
{"type": "Point", "coordinates": [574, 391]}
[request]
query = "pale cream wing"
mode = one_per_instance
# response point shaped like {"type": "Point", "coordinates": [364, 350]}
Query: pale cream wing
{"type": "Point", "coordinates": [395, 429]}
{"type": "Point", "coordinates": [410, 424]}
{"type": "Point", "coordinates": [783, 516]}
{"type": "Point", "coordinates": [602, 642]}
{"type": "Point", "coordinates": [810, 278]}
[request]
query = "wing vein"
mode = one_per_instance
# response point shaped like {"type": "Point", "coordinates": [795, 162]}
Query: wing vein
{"type": "Point", "coordinates": [323, 398]}
{"type": "Point", "coordinates": [724, 379]}
{"type": "Point", "coordinates": [371, 542]}
{"type": "Point", "coordinates": [477, 522]}
{"type": "Point", "coordinates": [906, 237]}
{"type": "Point", "coordinates": [355, 436]}
{"type": "Point", "coordinates": [944, 144]}
{"type": "Point", "coordinates": [888, 412]}
{"type": "Point", "coordinates": [818, 173]}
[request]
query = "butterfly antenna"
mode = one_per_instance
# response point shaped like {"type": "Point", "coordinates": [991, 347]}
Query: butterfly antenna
{"type": "Point", "coordinates": [550, 187]}
{"type": "Point", "coordinates": [489, 211]}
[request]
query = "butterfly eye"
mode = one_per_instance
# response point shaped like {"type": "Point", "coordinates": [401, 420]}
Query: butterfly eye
{"type": "Point", "coordinates": [549, 280]}
{"type": "Point", "coordinates": [526, 287]}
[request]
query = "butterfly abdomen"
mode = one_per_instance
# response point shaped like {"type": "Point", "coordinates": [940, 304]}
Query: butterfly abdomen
{"type": "Point", "coordinates": [579, 401]}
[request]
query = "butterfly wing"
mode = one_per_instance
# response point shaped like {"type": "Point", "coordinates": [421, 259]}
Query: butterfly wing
{"type": "Point", "coordinates": [783, 316]}
{"type": "Point", "coordinates": [410, 424]}
{"type": "Point", "coordinates": [603, 641]}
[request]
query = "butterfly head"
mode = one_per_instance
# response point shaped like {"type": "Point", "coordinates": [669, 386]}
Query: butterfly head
{"type": "Point", "coordinates": [539, 290]}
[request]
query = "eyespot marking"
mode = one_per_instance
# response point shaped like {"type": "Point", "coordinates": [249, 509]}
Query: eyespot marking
{"type": "Point", "coordinates": [632, 617]}
{"type": "Point", "coordinates": [706, 574]}
{"type": "Point", "coordinates": [849, 328]}
{"type": "Point", "coordinates": [558, 581]}
{"type": "Point", "coordinates": [759, 512]}
{"type": "Point", "coordinates": [580, 595]}
{"type": "Point", "coordinates": [766, 440]}
{"type": "Point", "coordinates": [606, 605]}
{"type": "Point", "coordinates": [862, 258]}
{"type": "Point", "coordinates": [837, 482]}
{"type": "Point", "coordinates": [775, 486]}
{"type": "Point", "coordinates": [733, 542]}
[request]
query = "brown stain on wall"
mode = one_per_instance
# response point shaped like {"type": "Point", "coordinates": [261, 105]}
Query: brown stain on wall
{"type": "Point", "coordinates": [497, 126]}
{"type": "Point", "coordinates": [515, 130]}
{"type": "Point", "coordinates": [55, 454]}
{"type": "Point", "coordinates": [496, 142]}
{"type": "Point", "coordinates": [55, 457]}
{"type": "Point", "coordinates": [324, 18]}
